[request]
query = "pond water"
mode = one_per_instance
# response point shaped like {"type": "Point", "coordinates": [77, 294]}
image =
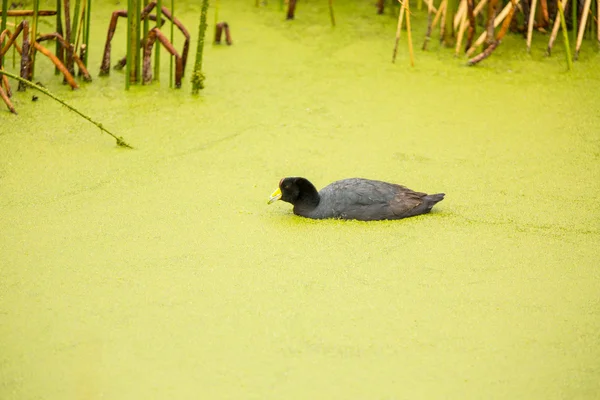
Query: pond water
{"type": "Point", "coordinates": [161, 272]}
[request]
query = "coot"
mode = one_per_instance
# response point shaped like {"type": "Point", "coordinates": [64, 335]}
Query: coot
{"type": "Point", "coordinates": [355, 198]}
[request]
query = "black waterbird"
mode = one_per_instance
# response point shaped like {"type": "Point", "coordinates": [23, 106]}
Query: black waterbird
{"type": "Point", "coordinates": [355, 198]}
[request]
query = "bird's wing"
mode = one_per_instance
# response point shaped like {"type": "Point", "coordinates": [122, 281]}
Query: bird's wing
{"type": "Point", "coordinates": [405, 200]}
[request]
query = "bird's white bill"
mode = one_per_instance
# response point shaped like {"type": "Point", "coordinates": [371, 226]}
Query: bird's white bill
{"type": "Point", "coordinates": [276, 195]}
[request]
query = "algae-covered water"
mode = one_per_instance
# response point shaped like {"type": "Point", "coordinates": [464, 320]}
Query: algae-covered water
{"type": "Point", "coordinates": [161, 272]}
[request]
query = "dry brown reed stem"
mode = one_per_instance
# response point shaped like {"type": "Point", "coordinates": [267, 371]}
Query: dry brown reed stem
{"type": "Point", "coordinates": [400, 19]}
{"type": "Point", "coordinates": [505, 25]}
{"type": "Point", "coordinates": [432, 25]}
{"type": "Point", "coordinates": [76, 58]}
{"type": "Point", "coordinates": [29, 13]}
{"type": "Point", "coordinates": [218, 32]}
{"type": "Point", "coordinates": [458, 17]}
{"type": "Point", "coordinates": [492, 5]}
{"type": "Point", "coordinates": [429, 23]}
{"type": "Point", "coordinates": [409, 34]}
{"type": "Point", "coordinates": [398, 30]}
{"type": "Point", "coordinates": [497, 21]}
{"type": "Point", "coordinates": [24, 57]}
{"type": "Point", "coordinates": [472, 13]}
{"type": "Point", "coordinates": [68, 50]}
{"type": "Point", "coordinates": [228, 38]}
{"type": "Point", "coordinates": [471, 16]}
{"type": "Point", "coordinates": [331, 13]}
{"type": "Point", "coordinates": [582, 24]}
{"type": "Point", "coordinates": [545, 15]}
{"type": "Point", "coordinates": [431, 6]}
{"type": "Point", "coordinates": [555, 28]}
{"type": "Point", "coordinates": [443, 22]}
{"type": "Point", "coordinates": [219, 28]}
{"type": "Point", "coordinates": [530, 24]}
{"type": "Point", "coordinates": [461, 33]}
{"type": "Point", "coordinates": [61, 67]}
{"type": "Point", "coordinates": [292, 9]}
{"type": "Point", "coordinates": [598, 21]}
{"type": "Point", "coordinates": [7, 101]}
{"type": "Point", "coordinates": [105, 65]}
{"type": "Point", "coordinates": [6, 84]}
{"type": "Point", "coordinates": [12, 39]}
{"type": "Point", "coordinates": [153, 35]}
{"type": "Point", "coordinates": [112, 26]}
{"type": "Point", "coordinates": [440, 12]}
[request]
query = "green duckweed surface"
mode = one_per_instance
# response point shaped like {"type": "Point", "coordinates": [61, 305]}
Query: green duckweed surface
{"type": "Point", "coordinates": [161, 272]}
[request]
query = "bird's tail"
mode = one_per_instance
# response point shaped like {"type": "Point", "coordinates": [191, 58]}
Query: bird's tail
{"type": "Point", "coordinates": [428, 202]}
{"type": "Point", "coordinates": [433, 198]}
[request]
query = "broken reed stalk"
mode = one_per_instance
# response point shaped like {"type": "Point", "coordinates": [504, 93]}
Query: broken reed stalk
{"type": "Point", "coordinates": [448, 36]}
{"type": "Point", "coordinates": [4, 81]}
{"type": "Point", "coordinates": [153, 35]}
{"type": "Point", "coordinates": [197, 76]}
{"type": "Point", "coordinates": [331, 14]}
{"type": "Point", "coordinates": [458, 17]}
{"type": "Point", "coordinates": [171, 38]}
{"type": "Point", "coordinates": [461, 32]}
{"type": "Point", "coordinates": [471, 13]}
{"type": "Point", "coordinates": [429, 23]}
{"type": "Point", "coordinates": [157, 50]}
{"type": "Point", "coordinates": [68, 37]}
{"type": "Point", "coordinates": [120, 141]}
{"type": "Point", "coordinates": [431, 26]}
{"type": "Point", "coordinates": [545, 14]}
{"type": "Point", "coordinates": [291, 9]}
{"type": "Point", "coordinates": [491, 23]}
{"type": "Point", "coordinates": [582, 24]}
{"type": "Point", "coordinates": [82, 69]}
{"type": "Point", "coordinates": [398, 30]}
{"type": "Point", "coordinates": [505, 25]}
{"type": "Point", "coordinates": [443, 22]}
{"type": "Point", "coordinates": [6, 99]}
{"type": "Point", "coordinates": [408, 34]}
{"type": "Point", "coordinates": [563, 24]}
{"type": "Point", "coordinates": [497, 22]}
{"type": "Point", "coordinates": [430, 5]}
{"type": "Point", "coordinates": [24, 55]}
{"type": "Point", "coordinates": [530, 24]}
{"type": "Point", "coordinates": [68, 77]}
{"type": "Point", "coordinates": [555, 29]}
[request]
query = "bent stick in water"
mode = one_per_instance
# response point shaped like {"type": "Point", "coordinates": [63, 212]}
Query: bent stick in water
{"type": "Point", "coordinates": [120, 141]}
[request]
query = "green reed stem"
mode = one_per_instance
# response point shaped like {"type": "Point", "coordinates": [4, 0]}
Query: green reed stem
{"type": "Point", "coordinates": [86, 36]}
{"type": "Point", "coordinates": [4, 17]}
{"type": "Point", "coordinates": [75, 22]}
{"type": "Point", "coordinates": [34, 29]}
{"type": "Point", "coordinates": [197, 76]}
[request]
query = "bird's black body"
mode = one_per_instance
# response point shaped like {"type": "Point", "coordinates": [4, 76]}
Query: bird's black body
{"type": "Point", "coordinates": [356, 198]}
